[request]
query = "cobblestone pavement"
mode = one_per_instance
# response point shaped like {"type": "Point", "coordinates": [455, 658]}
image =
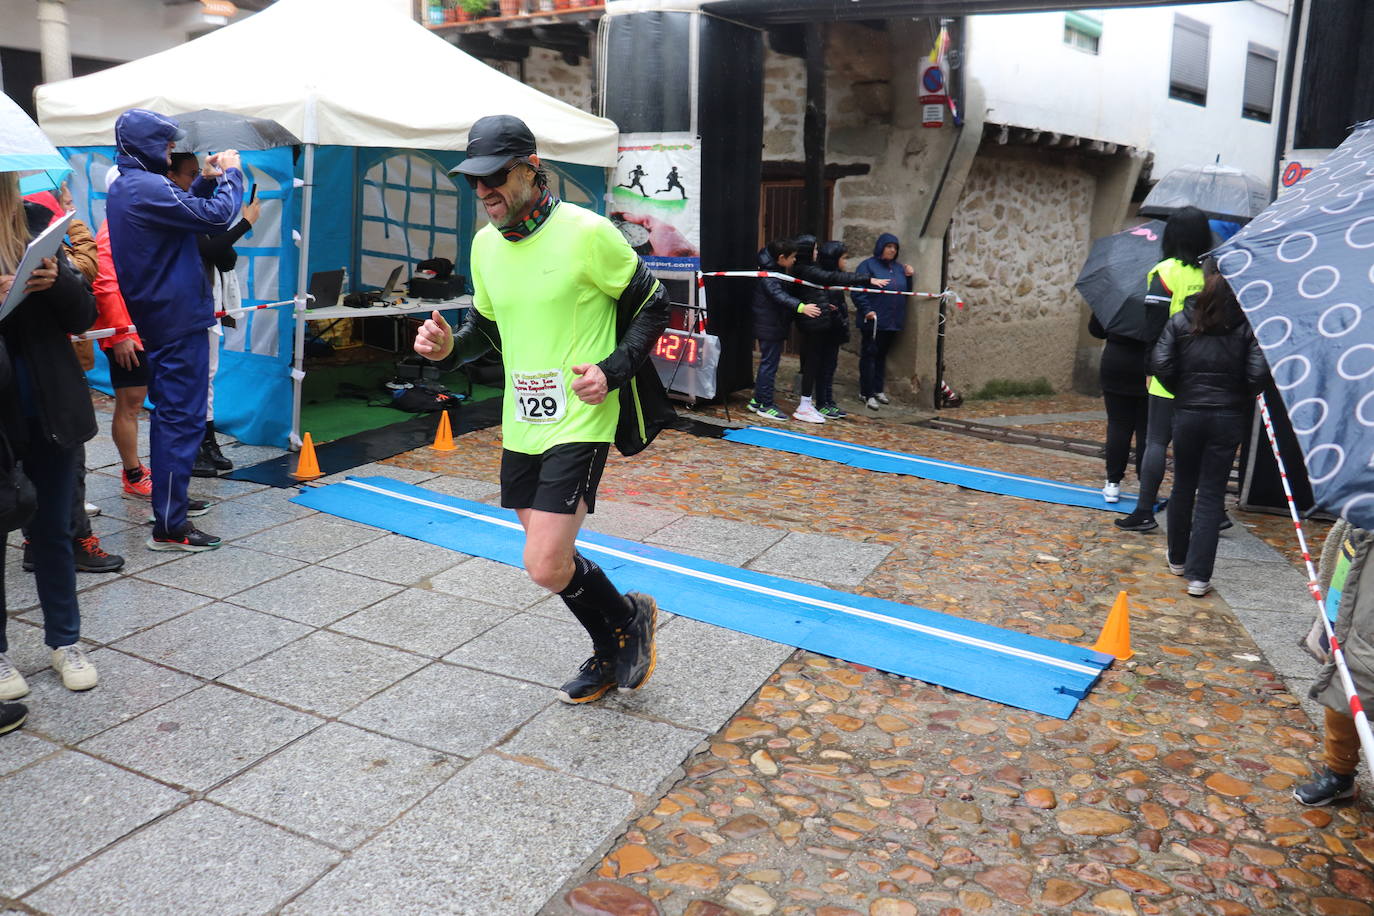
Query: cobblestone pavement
{"type": "Point", "coordinates": [840, 791]}
{"type": "Point", "coordinates": [325, 718]}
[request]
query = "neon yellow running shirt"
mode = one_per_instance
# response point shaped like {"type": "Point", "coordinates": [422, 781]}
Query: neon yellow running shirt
{"type": "Point", "coordinates": [553, 298]}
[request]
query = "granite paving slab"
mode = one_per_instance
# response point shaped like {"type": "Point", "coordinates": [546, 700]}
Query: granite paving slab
{"type": "Point", "coordinates": [629, 520]}
{"type": "Point", "coordinates": [737, 663]}
{"type": "Point", "coordinates": [21, 748]}
{"type": "Point", "coordinates": [220, 573]}
{"type": "Point", "coordinates": [274, 499]}
{"type": "Point", "coordinates": [1238, 544]}
{"type": "Point", "coordinates": [604, 745]}
{"type": "Point", "coordinates": [200, 739]}
{"type": "Point", "coordinates": [554, 608]}
{"type": "Point", "coordinates": [1277, 635]}
{"type": "Point", "coordinates": [123, 605]}
{"type": "Point", "coordinates": [452, 709]}
{"type": "Point", "coordinates": [324, 673]}
{"type": "Point", "coordinates": [212, 640]}
{"type": "Point", "coordinates": [315, 595]}
{"type": "Point", "coordinates": [100, 486]}
{"type": "Point", "coordinates": [128, 687]}
{"type": "Point", "coordinates": [395, 472]}
{"type": "Point", "coordinates": [393, 558]}
{"type": "Point", "coordinates": [244, 455]}
{"type": "Point", "coordinates": [50, 825]}
{"type": "Point", "coordinates": [1259, 585]}
{"type": "Point", "coordinates": [133, 511]}
{"type": "Point", "coordinates": [103, 525]}
{"type": "Point", "coordinates": [236, 522]}
{"type": "Point", "coordinates": [418, 620]}
{"type": "Point", "coordinates": [822, 558]}
{"type": "Point", "coordinates": [27, 651]}
{"type": "Point", "coordinates": [338, 784]}
{"type": "Point", "coordinates": [465, 488]}
{"type": "Point", "coordinates": [527, 646]}
{"type": "Point", "coordinates": [200, 859]}
{"type": "Point", "coordinates": [524, 828]}
{"type": "Point", "coordinates": [738, 541]}
{"type": "Point", "coordinates": [220, 489]}
{"type": "Point", "coordinates": [312, 539]}
{"type": "Point", "coordinates": [489, 581]}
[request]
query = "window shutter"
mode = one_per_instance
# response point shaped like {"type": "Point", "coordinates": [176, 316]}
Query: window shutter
{"type": "Point", "coordinates": [1191, 44]}
{"type": "Point", "coordinates": [1261, 71]}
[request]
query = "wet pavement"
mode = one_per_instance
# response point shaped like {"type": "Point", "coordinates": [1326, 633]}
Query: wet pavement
{"type": "Point", "coordinates": [293, 732]}
{"type": "Point", "coordinates": [840, 791]}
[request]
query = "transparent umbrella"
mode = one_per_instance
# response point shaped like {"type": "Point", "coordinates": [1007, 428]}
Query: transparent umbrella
{"type": "Point", "coordinates": [1220, 191]}
{"type": "Point", "coordinates": [25, 149]}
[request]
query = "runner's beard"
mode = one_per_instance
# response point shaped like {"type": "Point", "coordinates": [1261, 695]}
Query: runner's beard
{"type": "Point", "coordinates": [516, 208]}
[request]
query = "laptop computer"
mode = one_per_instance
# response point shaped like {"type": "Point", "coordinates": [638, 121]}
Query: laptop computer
{"type": "Point", "coordinates": [391, 281]}
{"type": "Point", "coordinates": [325, 287]}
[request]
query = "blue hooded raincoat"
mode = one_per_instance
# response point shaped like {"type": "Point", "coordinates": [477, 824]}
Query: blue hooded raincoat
{"type": "Point", "coordinates": [153, 230]}
{"type": "Point", "coordinates": [891, 310]}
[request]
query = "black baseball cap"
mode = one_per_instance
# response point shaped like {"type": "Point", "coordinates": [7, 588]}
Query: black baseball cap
{"type": "Point", "coordinates": [492, 142]}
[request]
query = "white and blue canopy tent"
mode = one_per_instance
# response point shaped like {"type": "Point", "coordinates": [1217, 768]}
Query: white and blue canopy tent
{"type": "Point", "coordinates": [383, 107]}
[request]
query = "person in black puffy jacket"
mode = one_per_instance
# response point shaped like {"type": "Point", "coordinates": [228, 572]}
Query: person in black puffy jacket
{"type": "Point", "coordinates": [1208, 357]}
{"type": "Point", "coordinates": [818, 331]}
{"type": "Point", "coordinates": [775, 305]}
{"type": "Point", "coordinates": [49, 418]}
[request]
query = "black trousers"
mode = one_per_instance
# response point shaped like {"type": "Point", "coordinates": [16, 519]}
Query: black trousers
{"type": "Point", "coordinates": [1127, 417]}
{"type": "Point", "coordinates": [1158, 432]}
{"type": "Point", "coordinates": [1205, 443]}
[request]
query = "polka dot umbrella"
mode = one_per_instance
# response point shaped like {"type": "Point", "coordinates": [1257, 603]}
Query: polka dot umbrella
{"type": "Point", "coordinates": [1303, 271]}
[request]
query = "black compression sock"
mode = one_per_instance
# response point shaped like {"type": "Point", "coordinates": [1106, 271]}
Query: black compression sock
{"type": "Point", "coordinates": [595, 602]}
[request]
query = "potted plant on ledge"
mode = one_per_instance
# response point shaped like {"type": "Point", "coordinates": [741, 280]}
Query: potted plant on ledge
{"type": "Point", "coordinates": [470, 9]}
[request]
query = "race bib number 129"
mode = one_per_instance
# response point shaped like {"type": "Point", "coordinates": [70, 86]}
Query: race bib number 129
{"type": "Point", "coordinates": [539, 396]}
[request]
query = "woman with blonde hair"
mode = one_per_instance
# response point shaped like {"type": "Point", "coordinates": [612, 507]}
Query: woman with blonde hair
{"type": "Point", "coordinates": [46, 414]}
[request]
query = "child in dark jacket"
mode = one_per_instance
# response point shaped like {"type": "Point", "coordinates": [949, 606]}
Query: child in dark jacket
{"type": "Point", "coordinates": [775, 305]}
{"type": "Point", "coordinates": [818, 332]}
{"type": "Point", "coordinates": [832, 256]}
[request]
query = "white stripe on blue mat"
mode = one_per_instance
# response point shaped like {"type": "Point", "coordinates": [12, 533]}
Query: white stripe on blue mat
{"type": "Point", "coordinates": [1013, 668]}
{"type": "Point", "coordinates": [974, 478]}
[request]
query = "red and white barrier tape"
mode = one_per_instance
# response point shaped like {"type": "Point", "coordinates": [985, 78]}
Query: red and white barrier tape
{"type": "Point", "coordinates": [102, 333]}
{"type": "Point", "coordinates": [788, 278]}
{"type": "Point", "coordinates": [1356, 707]}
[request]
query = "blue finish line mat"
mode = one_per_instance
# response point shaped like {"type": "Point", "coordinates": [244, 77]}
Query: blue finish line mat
{"type": "Point", "coordinates": [876, 459]}
{"type": "Point", "coordinates": [1024, 671]}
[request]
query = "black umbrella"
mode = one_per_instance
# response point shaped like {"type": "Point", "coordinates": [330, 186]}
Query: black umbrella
{"type": "Point", "coordinates": [1219, 191]}
{"type": "Point", "coordinates": [1113, 281]}
{"type": "Point", "coordinates": [208, 130]}
{"type": "Point", "coordinates": [1302, 271]}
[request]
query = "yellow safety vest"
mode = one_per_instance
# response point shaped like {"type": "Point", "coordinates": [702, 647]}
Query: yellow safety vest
{"type": "Point", "coordinates": [1183, 280]}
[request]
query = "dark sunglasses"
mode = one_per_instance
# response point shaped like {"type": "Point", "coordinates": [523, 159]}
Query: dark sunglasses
{"type": "Point", "coordinates": [495, 180]}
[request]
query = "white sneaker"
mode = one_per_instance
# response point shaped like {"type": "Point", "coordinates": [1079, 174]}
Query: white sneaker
{"type": "Point", "coordinates": [872, 404]}
{"type": "Point", "coordinates": [1199, 589]}
{"type": "Point", "coordinates": [1175, 569]}
{"type": "Point", "coordinates": [92, 510]}
{"type": "Point", "coordinates": [12, 683]}
{"type": "Point", "coordinates": [808, 414]}
{"type": "Point", "coordinates": [77, 671]}
{"type": "Point", "coordinates": [882, 398]}
{"type": "Point", "coordinates": [1111, 492]}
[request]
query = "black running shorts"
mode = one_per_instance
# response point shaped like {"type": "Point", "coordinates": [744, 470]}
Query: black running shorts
{"type": "Point", "coordinates": [555, 480]}
{"type": "Point", "coordinates": [137, 377]}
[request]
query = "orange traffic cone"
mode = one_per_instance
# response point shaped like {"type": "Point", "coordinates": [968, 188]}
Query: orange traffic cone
{"type": "Point", "coordinates": [307, 468]}
{"type": "Point", "coordinates": [1115, 639]}
{"type": "Point", "coordinates": [443, 439]}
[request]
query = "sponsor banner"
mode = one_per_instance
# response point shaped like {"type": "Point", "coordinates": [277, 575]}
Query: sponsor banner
{"type": "Point", "coordinates": [655, 198]}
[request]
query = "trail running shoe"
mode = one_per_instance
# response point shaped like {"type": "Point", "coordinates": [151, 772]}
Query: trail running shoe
{"type": "Point", "coordinates": [91, 558]}
{"type": "Point", "coordinates": [1328, 787]}
{"type": "Point", "coordinates": [593, 681]}
{"type": "Point", "coordinates": [1137, 521]}
{"type": "Point", "coordinates": [636, 654]}
{"type": "Point", "coordinates": [833, 412]}
{"type": "Point", "coordinates": [141, 488]}
{"type": "Point", "coordinates": [191, 540]}
{"type": "Point", "coordinates": [771, 413]}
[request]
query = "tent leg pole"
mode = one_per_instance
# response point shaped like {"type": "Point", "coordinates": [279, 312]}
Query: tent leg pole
{"type": "Point", "coordinates": [302, 288]}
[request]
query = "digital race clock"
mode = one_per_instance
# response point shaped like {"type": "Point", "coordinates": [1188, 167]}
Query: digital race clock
{"type": "Point", "coordinates": [678, 348]}
{"type": "Point", "coordinates": [687, 362]}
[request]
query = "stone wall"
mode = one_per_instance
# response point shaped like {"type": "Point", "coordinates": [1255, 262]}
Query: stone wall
{"type": "Point", "coordinates": [784, 102]}
{"type": "Point", "coordinates": [546, 71]}
{"type": "Point", "coordinates": [1017, 241]}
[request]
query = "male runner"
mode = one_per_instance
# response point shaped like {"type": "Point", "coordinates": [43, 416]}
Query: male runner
{"type": "Point", "coordinates": [574, 313]}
